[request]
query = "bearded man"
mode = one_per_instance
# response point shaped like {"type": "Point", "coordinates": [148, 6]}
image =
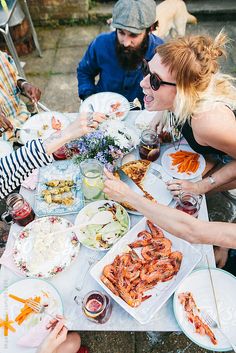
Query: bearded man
{"type": "Point", "coordinates": [117, 56]}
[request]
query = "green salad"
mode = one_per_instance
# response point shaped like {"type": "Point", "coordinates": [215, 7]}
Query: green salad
{"type": "Point", "coordinates": [113, 223]}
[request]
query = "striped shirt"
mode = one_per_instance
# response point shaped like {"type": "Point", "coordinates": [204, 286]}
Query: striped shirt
{"type": "Point", "coordinates": [16, 167]}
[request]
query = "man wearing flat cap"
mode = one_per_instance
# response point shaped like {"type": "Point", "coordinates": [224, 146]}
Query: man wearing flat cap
{"type": "Point", "coordinates": [117, 56]}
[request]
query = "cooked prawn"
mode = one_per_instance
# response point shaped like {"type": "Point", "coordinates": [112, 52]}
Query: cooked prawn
{"type": "Point", "coordinates": [129, 299]}
{"type": "Point", "coordinates": [109, 285]}
{"type": "Point", "coordinates": [110, 272]}
{"type": "Point", "coordinates": [156, 231]}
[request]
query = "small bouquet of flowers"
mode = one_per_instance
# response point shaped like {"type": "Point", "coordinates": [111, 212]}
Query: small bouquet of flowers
{"type": "Point", "coordinates": [108, 144]}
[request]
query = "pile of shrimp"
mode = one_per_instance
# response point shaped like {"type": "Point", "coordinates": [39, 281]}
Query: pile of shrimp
{"type": "Point", "coordinates": [130, 276]}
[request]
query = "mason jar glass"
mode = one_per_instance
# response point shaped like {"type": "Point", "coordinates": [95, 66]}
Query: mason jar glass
{"type": "Point", "coordinates": [149, 147]}
{"type": "Point", "coordinates": [92, 180]}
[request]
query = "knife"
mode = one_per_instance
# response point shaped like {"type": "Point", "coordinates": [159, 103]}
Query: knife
{"type": "Point", "coordinates": [213, 290]}
{"type": "Point", "coordinates": [127, 180]}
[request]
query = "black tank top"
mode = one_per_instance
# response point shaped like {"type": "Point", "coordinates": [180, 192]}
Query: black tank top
{"type": "Point", "coordinates": [187, 132]}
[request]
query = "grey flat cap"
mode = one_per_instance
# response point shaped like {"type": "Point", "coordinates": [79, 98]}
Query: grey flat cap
{"type": "Point", "coordinates": [134, 15]}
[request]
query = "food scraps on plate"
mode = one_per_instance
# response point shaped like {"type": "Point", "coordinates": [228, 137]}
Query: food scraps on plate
{"type": "Point", "coordinates": [193, 315]}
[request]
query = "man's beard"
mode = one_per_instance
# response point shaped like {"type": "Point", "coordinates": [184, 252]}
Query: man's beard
{"type": "Point", "coordinates": [130, 58]}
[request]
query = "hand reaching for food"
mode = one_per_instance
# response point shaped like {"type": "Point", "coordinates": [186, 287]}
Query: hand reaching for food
{"type": "Point", "coordinates": [158, 122]}
{"type": "Point", "coordinates": [32, 92]}
{"type": "Point", "coordinates": [5, 124]}
{"type": "Point", "coordinates": [114, 188]}
{"type": "Point", "coordinates": [176, 186]}
{"type": "Point", "coordinates": [56, 337]}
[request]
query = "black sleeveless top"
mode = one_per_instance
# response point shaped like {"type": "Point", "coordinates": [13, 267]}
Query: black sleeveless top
{"type": "Point", "coordinates": [187, 132]}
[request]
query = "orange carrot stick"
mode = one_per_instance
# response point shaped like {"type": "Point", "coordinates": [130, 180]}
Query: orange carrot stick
{"type": "Point", "coordinates": [17, 298]}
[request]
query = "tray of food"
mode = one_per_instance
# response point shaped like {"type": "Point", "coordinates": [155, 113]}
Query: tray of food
{"type": "Point", "coordinates": [144, 268]}
{"type": "Point", "coordinates": [58, 189]}
{"type": "Point", "coordinates": [102, 223]}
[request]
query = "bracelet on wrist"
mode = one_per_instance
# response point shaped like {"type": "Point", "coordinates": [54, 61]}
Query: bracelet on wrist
{"type": "Point", "coordinates": [22, 85]}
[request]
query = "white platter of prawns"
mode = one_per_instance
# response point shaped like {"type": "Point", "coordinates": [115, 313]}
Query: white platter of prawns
{"type": "Point", "coordinates": [144, 268]}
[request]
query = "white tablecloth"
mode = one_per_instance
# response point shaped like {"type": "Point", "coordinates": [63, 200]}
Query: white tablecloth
{"type": "Point", "coordinates": [66, 281]}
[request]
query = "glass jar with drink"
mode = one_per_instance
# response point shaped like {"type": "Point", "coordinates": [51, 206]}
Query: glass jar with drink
{"type": "Point", "coordinates": [149, 147]}
{"type": "Point", "coordinates": [97, 307]}
{"type": "Point", "coordinates": [62, 153]}
{"type": "Point", "coordinates": [92, 180]}
{"type": "Point", "coordinates": [18, 210]}
{"type": "Point", "coordinates": [189, 203]}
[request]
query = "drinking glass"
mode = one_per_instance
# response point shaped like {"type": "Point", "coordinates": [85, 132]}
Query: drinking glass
{"type": "Point", "coordinates": [18, 210]}
{"type": "Point", "coordinates": [149, 147]}
{"type": "Point", "coordinates": [97, 307]}
{"type": "Point", "coordinates": [92, 179]}
{"type": "Point", "coordinates": [189, 203]}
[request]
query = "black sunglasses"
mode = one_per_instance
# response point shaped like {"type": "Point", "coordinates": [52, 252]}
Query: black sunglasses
{"type": "Point", "coordinates": [155, 80]}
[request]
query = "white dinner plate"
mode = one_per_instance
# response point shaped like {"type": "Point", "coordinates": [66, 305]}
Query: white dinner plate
{"type": "Point", "coordinates": [45, 247]}
{"type": "Point", "coordinates": [5, 148]}
{"type": "Point", "coordinates": [91, 209]}
{"type": "Point", "coordinates": [166, 162]}
{"type": "Point", "coordinates": [199, 284]}
{"type": "Point", "coordinates": [101, 102]}
{"type": "Point", "coordinates": [162, 291]}
{"type": "Point", "coordinates": [25, 289]}
{"type": "Point", "coordinates": [41, 125]}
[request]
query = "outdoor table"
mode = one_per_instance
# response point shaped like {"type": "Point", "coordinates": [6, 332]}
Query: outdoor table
{"type": "Point", "coordinates": [66, 281]}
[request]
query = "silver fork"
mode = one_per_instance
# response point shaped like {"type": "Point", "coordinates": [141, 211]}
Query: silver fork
{"type": "Point", "coordinates": [129, 107]}
{"type": "Point", "coordinates": [27, 130]}
{"type": "Point", "coordinates": [40, 309]}
{"type": "Point", "coordinates": [79, 286]}
{"type": "Point", "coordinates": [212, 323]}
{"type": "Point", "coordinates": [133, 105]}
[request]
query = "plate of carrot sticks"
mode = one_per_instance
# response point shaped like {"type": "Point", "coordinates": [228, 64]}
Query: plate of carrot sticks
{"type": "Point", "coordinates": [184, 163]}
{"type": "Point", "coordinates": [17, 319]}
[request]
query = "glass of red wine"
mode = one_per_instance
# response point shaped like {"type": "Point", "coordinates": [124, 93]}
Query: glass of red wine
{"type": "Point", "coordinates": [97, 307]}
{"type": "Point", "coordinates": [18, 211]}
{"type": "Point", "coordinates": [189, 203]}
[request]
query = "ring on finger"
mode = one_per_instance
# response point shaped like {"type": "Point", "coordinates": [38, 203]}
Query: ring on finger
{"type": "Point", "coordinates": [2, 129]}
{"type": "Point", "coordinates": [90, 120]}
{"type": "Point", "coordinates": [90, 116]}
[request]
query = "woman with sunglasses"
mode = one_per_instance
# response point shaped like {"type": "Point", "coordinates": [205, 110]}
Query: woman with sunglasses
{"type": "Point", "coordinates": [183, 79]}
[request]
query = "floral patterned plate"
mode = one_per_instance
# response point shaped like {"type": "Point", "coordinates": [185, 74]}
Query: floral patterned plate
{"type": "Point", "coordinates": [40, 250]}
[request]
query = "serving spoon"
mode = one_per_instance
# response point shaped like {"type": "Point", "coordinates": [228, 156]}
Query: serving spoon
{"type": "Point", "coordinates": [100, 218]}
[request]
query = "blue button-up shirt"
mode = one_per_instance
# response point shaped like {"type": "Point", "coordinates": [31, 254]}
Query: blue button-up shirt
{"type": "Point", "coordinates": [101, 59]}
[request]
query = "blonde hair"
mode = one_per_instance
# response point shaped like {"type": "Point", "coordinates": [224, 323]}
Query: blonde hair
{"type": "Point", "coordinates": [193, 60]}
